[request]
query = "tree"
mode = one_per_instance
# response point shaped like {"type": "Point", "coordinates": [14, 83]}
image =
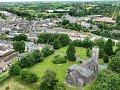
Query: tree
{"type": "Point", "coordinates": [28, 77]}
{"type": "Point", "coordinates": [64, 22]}
{"type": "Point", "coordinates": [60, 86]}
{"type": "Point", "coordinates": [38, 56]}
{"type": "Point", "coordinates": [27, 61]}
{"type": "Point", "coordinates": [20, 37]}
{"type": "Point", "coordinates": [19, 46]}
{"type": "Point", "coordinates": [14, 69]}
{"type": "Point", "coordinates": [64, 39]}
{"type": "Point", "coordinates": [101, 53]}
{"type": "Point", "coordinates": [72, 12]}
{"type": "Point", "coordinates": [106, 58]}
{"type": "Point", "coordinates": [31, 78]}
{"type": "Point", "coordinates": [24, 74]}
{"type": "Point", "coordinates": [71, 52]}
{"type": "Point", "coordinates": [99, 42]}
{"type": "Point", "coordinates": [118, 47]}
{"type": "Point", "coordinates": [107, 80]}
{"type": "Point", "coordinates": [56, 44]}
{"type": "Point", "coordinates": [49, 80]}
{"type": "Point", "coordinates": [47, 51]}
{"type": "Point", "coordinates": [78, 43]}
{"type": "Point", "coordinates": [109, 47]}
{"type": "Point", "coordinates": [87, 43]}
{"type": "Point", "coordinates": [88, 52]}
{"type": "Point", "coordinates": [114, 63]}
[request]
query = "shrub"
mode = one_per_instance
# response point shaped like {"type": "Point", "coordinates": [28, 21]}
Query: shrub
{"type": "Point", "coordinates": [28, 77]}
{"type": "Point", "coordinates": [59, 60]}
{"type": "Point", "coordinates": [47, 51]}
{"type": "Point", "coordinates": [106, 58]}
{"type": "Point", "coordinates": [14, 69]}
{"type": "Point", "coordinates": [56, 56]}
{"type": "Point", "coordinates": [80, 61]}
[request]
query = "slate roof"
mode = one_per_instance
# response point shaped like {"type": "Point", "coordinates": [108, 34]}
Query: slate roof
{"type": "Point", "coordinates": [73, 67]}
{"type": "Point", "coordinates": [90, 64]}
{"type": "Point", "coordinates": [75, 74]}
{"type": "Point", "coordinates": [85, 72]}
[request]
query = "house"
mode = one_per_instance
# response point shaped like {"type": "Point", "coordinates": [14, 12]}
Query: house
{"type": "Point", "coordinates": [3, 50]}
{"type": "Point", "coordinates": [58, 11]}
{"type": "Point", "coordinates": [80, 75]}
{"type": "Point", "coordinates": [105, 20]}
{"type": "Point", "coordinates": [9, 57]}
{"type": "Point", "coordinates": [3, 67]}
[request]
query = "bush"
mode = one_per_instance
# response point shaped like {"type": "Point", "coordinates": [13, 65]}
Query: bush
{"type": "Point", "coordinates": [47, 51]}
{"type": "Point", "coordinates": [106, 58]}
{"type": "Point", "coordinates": [38, 56]}
{"type": "Point", "coordinates": [56, 56]}
{"type": "Point", "coordinates": [27, 61]}
{"type": "Point", "coordinates": [14, 69]}
{"type": "Point", "coordinates": [64, 22]}
{"type": "Point", "coordinates": [28, 77]}
{"type": "Point", "coordinates": [60, 86]}
{"type": "Point", "coordinates": [80, 61]}
{"type": "Point", "coordinates": [59, 60]}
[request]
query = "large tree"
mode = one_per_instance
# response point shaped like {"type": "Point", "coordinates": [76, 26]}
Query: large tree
{"type": "Point", "coordinates": [114, 63]}
{"type": "Point", "coordinates": [64, 22]}
{"type": "Point", "coordinates": [64, 39]}
{"type": "Point", "coordinates": [101, 53]}
{"type": "Point", "coordinates": [14, 69]}
{"type": "Point", "coordinates": [20, 37]}
{"type": "Point", "coordinates": [47, 51]}
{"type": "Point", "coordinates": [109, 47]}
{"type": "Point", "coordinates": [57, 44]}
{"type": "Point", "coordinates": [19, 46]}
{"type": "Point", "coordinates": [71, 52]}
{"type": "Point", "coordinates": [107, 80]}
{"type": "Point", "coordinates": [49, 80]}
{"type": "Point", "coordinates": [100, 42]}
{"type": "Point", "coordinates": [38, 56]}
{"type": "Point", "coordinates": [106, 58]}
{"type": "Point", "coordinates": [28, 77]}
{"type": "Point", "coordinates": [27, 61]}
{"type": "Point", "coordinates": [87, 43]}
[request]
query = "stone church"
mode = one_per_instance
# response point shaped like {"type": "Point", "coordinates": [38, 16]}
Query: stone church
{"type": "Point", "coordinates": [80, 75]}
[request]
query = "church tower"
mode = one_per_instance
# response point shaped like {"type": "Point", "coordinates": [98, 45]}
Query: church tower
{"type": "Point", "coordinates": [95, 53]}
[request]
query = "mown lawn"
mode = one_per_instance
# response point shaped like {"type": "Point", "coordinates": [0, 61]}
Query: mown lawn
{"type": "Point", "coordinates": [80, 52]}
{"type": "Point", "coordinates": [16, 84]}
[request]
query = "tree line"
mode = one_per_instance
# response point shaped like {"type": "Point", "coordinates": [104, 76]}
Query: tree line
{"type": "Point", "coordinates": [73, 26]}
{"type": "Point", "coordinates": [57, 40]}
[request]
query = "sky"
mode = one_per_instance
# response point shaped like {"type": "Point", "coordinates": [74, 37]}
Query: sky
{"type": "Point", "coordinates": [43, 0]}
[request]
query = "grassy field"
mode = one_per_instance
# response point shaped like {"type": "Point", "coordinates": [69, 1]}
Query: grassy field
{"type": "Point", "coordinates": [80, 52]}
{"type": "Point", "coordinates": [15, 83]}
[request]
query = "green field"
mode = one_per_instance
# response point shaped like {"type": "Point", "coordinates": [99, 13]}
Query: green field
{"type": "Point", "coordinates": [15, 83]}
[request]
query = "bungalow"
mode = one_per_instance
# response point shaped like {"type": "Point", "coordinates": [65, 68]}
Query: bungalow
{"type": "Point", "coordinates": [105, 19]}
{"type": "Point", "coordinates": [3, 50]}
{"type": "Point", "coordinates": [8, 58]}
{"type": "Point", "coordinates": [58, 11]}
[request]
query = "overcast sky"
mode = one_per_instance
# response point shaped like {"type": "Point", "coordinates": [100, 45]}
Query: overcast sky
{"type": "Point", "coordinates": [43, 0]}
